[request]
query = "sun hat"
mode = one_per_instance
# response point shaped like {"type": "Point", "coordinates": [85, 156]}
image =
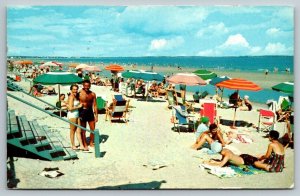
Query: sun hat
{"type": "Point", "coordinates": [246, 97]}
{"type": "Point", "coordinates": [204, 119]}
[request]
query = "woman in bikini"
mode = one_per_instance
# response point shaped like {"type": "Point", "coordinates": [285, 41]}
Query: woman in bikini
{"type": "Point", "coordinates": [273, 160]}
{"type": "Point", "coordinates": [73, 116]}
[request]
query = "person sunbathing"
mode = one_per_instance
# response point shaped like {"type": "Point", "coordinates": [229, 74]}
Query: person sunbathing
{"type": "Point", "coordinates": [212, 137]}
{"type": "Point", "coordinates": [273, 160]}
{"type": "Point", "coordinates": [229, 157]}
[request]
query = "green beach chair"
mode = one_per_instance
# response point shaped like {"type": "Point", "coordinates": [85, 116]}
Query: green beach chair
{"type": "Point", "coordinates": [101, 103]}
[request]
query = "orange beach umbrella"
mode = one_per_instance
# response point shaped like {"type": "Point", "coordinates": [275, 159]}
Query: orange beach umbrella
{"type": "Point", "coordinates": [238, 84]}
{"type": "Point", "coordinates": [114, 68]}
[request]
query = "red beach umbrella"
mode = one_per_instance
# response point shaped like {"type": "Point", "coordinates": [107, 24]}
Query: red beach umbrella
{"type": "Point", "coordinates": [114, 68]}
{"type": "Point", "coordinates": [238, 84]}
{"type": "Point", "coordinates": [188, 79]}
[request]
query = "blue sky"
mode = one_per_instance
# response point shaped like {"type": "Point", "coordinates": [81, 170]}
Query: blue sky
{"type": "Point", "coordinates": [112, 31]}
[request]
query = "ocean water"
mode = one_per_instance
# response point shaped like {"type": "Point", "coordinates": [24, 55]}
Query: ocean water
{"type": "Point", "coordinates": [243, 63]}
{"type": "Point", "coordinates": [247, 63]}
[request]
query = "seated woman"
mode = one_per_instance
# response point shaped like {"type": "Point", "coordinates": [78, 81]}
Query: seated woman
{"type": "Point", "coordinates": [154, 89]}
{"type": "Point", "coordinates": [248, 104]}
{"type": "Point", "coordinates": [35, 92]}
{"type": "Point", "coordinates": [229, 156]}
{"type": "Point", "coordinates": [161, 89]}
{"type": "Point", "coordinates": [235, 99]}
{"type": "Point", "coordinates": [273, 160]}
{"type": "Point", "coordinates": [61, 103]}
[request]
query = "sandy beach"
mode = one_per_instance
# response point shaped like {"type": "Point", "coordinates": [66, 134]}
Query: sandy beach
{"type": "Point", "coordinates": [131, 151]}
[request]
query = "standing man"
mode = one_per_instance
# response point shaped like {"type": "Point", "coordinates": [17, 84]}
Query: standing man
{"type": "Point", "coordinates": [88, 112]}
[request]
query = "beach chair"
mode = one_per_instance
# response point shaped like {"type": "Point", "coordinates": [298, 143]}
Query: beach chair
{"type": "Point", "coordinates": [117, 110]}
{"type": "Point", "coordinates": [183, 119]}
{"type": "Point", "coordinates": [209, 110]}
{"type": "Point", "coordinates": [101, 103]}
{"type": "Point", "coordinates": [118, 97]}
{"type": "Point", "coordinates": [180, 100]}
{"type": "Point", "coordinates": [171, 98]}
{"type": "Point", "coordinates": [266, 120]}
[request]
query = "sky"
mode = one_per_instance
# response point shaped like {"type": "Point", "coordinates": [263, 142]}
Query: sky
{"type": "Point", "coordinates": [133, 31]}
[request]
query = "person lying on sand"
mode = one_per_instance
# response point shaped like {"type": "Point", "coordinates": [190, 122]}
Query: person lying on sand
{"type": "Point", "coordinates": [229, 156]}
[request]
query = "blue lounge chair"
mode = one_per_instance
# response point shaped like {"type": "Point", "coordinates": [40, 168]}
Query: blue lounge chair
{"type": "Point", "coordinates": [183, 118]}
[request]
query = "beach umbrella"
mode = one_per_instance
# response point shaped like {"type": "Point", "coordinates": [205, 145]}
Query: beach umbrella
{"type": "Point", "coordinates": [114, 68]}
{"type": "Point", "coordinates": [73, 65]}
{"type": "Point", "coordinates": [81, 66]}
{"type": "Point", "coordinates": [217, 80]}
{"type": "Point", "coordinates": [92, 69]}
{"type": "Point", "coordinates": [205, 74]}
{"type": "Point", "coordinates": [188, 79]}
{"type": "Point", "coordinates": [144, 75]}
{"type": "Point", "coordinates": [23, 62]}
{"type": "Point", "coordinates": [238, 84]}
{"type": "Point", "coordinates": [57, 77]}
{"type": "Point", "coordinates": [286, 87]}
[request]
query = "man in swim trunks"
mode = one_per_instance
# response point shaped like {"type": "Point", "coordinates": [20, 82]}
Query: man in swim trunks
{"type": "Point", "coordinates": [229, 156]}
{"type": "Point", "coordinates": [88, 112]}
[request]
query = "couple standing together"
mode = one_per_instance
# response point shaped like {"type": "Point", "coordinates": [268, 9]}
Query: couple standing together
{"type": "Point", "coordinates": [82, 109]}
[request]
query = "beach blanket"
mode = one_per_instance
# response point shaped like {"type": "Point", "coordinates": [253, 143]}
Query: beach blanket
{"type": "Point", "coordinates": [246, 170]}
{"type": "Point", "coordinates": [231, 170]}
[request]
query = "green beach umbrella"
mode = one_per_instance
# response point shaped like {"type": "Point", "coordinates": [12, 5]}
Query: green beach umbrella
{"type": "Point", "coordinates": [57, 77]}
{"type": "Point", "coordinates": [286, 87]}
{"type": "Point", "coordinates": [205, 74]}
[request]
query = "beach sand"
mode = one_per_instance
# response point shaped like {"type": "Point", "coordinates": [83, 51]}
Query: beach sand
{"type": "Point", "coordinates": [131, 150]}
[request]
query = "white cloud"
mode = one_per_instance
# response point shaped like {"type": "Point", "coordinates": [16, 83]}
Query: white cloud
{"type": "Point", "coordinates": [158, 44]}
{"type": "Point", "coordinates": [166, 44]}
{"type": "Point", "coordinates": [213, 30]}
{"type": "Point", "coordinates": [237, 40]}
{"type": "Point", "coordinates": [272, 31]}
{"type": "Point", "coordinates": [278, 49]}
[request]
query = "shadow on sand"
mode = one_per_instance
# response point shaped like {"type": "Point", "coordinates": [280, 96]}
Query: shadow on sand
{"type": "Point", "coordinates": [137, 186]}
{"type": "Point", "coordinates": [238, 123]}
{"type": "Point", "coordinates": [12, 181]}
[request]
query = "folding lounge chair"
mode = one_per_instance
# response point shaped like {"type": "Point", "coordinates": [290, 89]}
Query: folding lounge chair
{"type": "Point", "coordinates": [266, 121]}
{"type": "Point", "coordinates": [171, 98]}
{"type": "Point", "coordinates": [183, 118]}
{"type": "Point", "coordinates": [181, 101]}
{"type": "Point", "coordinates": [209, 110]}
{"type": "Point", "coordinates": [117, 110]}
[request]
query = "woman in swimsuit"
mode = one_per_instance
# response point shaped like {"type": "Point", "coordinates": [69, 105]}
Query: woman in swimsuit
{"type": "Point", "coordinates": [273, 160]}
{"type": "Point", "coordinates": [73, 116]}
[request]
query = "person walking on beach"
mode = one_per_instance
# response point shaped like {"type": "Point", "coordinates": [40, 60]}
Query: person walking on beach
{"type": "Point", "coordinates": [88, 112]}
{"type": "Point", "coordinates": [273, 160]}
{"type": "Point", "coordinates": [73, 116]}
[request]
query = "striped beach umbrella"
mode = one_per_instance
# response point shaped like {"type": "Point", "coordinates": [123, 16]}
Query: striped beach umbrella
{"type": "Point", "coordinates": [205, 74]}
{"type": "Point", "coordinates": [286, 87]}
{"type": "Point", "coordinates": [238, 84]}
{"type": "Point", "coordinates": [188, 79]}
{"type": "Point", "coordinates": [81, 66]}
{"type": "Point", "coordinates": [114, 68]}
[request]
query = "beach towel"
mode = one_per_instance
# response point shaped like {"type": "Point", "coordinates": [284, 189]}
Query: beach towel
{"type": "Point", "coordinates": [246, 170]}
{"type": "Point", "coordinates": [221, 172]}
{"type": "Point", "coordinates": [231, 170]}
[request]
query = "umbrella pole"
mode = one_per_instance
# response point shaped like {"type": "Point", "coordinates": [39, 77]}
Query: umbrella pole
{"type": "Point", "coordinates": [58, 99]}
{"type": "Point", "coordinates": [235, 108]}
